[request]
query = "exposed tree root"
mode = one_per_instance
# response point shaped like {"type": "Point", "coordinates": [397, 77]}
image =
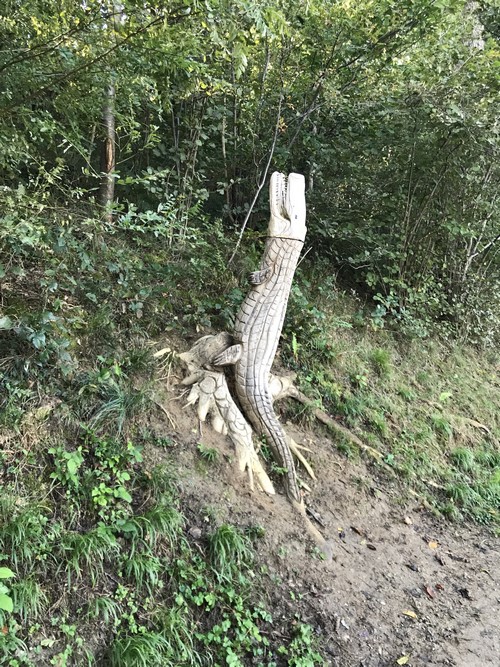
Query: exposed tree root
{"type": "Point", "coordinates": [295, 449]}
{"type": "Point", "coordinates": [166, 413]}
{"type": "Point", "coordinates": [288, 390]}
{"type": "Point", "coordinates": [324, 545]}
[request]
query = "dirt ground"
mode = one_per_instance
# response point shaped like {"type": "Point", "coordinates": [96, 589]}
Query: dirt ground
{"type": "Point", "coordinates": [402, 588]}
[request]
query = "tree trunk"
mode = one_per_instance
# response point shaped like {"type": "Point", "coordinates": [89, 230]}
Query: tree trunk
{"type": "Point", "coordinates": [108, 160]}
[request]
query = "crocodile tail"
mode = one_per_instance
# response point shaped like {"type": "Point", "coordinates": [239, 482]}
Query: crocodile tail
{"type": "Point", "coordinates": [277, 440]}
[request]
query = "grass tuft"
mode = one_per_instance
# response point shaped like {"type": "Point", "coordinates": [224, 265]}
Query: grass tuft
{"type": "Point", "coordinates": [119, 403]}
{"type": "Point", "coordinates": [144, 650]}
{"type": "Point", "coordinates": [381, 362]}
{"type": "Point", "coordinates": [86, 553]}
{"type": "Point", "coordinates": [463, 458]}
{"type": "Point", "coordinates": [143, 569]}
{"type": "Point", "coordinates": [179, 633]}
{"type": "Point", "coordinates": [208, 454]}
{"type": "Point", "coordinates": [105, 608]}
{"type": "Point", "coordinates": [30, 599]}
{"type": "Point", "coordinates": [229, 551]}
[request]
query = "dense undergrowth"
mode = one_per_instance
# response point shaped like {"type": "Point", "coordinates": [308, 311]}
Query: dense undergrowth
{"type": "Point", "coordinates": [103, 571]}
{"type": "Point", "coordinates": [97, 562]}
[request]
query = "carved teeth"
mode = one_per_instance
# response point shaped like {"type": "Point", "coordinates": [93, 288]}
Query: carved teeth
{"type": "Point", "coordinates": [285, 193]}
{"type": "Point", "coordinates": [279, 207]}
{"type": "Point", "coordinates": [295, 204]}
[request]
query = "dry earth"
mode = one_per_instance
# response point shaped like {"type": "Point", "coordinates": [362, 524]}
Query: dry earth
{"type": "Point", "coordinates": [402, 586]}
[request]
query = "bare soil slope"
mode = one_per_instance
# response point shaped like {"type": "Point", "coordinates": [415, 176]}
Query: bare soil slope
{"type": "Point", "coordinates": [402, 588]}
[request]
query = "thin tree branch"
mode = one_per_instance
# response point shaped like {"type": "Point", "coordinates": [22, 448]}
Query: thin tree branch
{"type": "Point", "coordinates": [262, 182]}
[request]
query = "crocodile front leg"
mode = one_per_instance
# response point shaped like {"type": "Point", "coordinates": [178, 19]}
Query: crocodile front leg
{"type": "Point", "coordinates": [209, 390]}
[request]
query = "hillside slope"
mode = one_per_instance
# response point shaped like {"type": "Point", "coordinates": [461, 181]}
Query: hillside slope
{"type": "Point", "coordinates": [133, 540]}
{"type": "Point", "coordinates": [401, 583]}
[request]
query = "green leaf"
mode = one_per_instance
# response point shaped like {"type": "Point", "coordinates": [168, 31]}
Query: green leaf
{"type": "Point", "coordinates": [6, 322]}
{"type": "Point", "coordinates": [120, 492]}
{"type": "Point", "coordinates": [6, 573]}
{"type": "Point", "coordinates": [6, 603]}
{"type": "Point", "coordinates": [38, 340]}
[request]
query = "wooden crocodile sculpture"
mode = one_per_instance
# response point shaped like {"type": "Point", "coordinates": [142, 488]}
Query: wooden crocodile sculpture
{"type": "Point", "coordinates": [257, 332]}
{"type": "Point", "coordinates": [260, 319]}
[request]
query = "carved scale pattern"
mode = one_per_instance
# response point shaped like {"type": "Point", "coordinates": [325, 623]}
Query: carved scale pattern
{"type": "Point", "coordinates": [258, 328]}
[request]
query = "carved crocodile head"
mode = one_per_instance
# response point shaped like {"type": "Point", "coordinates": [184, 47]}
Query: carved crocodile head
{"type": "Point", "coordinates": [288, 206]}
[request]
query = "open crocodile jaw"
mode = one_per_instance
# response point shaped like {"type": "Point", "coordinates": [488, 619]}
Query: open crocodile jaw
{"type": "Point", "coordinates": [288, 207]}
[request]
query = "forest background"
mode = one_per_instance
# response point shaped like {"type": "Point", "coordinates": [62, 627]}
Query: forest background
{"type": "Point", "coordinates": [389, 109]}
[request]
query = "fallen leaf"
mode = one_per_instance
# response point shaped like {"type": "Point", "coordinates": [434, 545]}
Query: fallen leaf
{"type": "Point", "coordinates": [440, 587]}
{"type": "Point", "coordinates": [43, 411]}
{"type": "Point", "coordinates": [430, 592]}
{"type": "Point", "coordinates": [410, 613]}
{"type": "Point", "coordinates": [403, 660]}
{"type": "Point", "coordinates": [444, 396]}
{"type": "Point", "coordinates": [433, 544]}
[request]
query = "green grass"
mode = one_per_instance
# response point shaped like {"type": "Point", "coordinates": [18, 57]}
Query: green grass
{"type": "Point", "coordinates": [104, 608]}
{"type": "Point", "coordinates": [381, 361]}
{"type": "Point", "coordinates": [85, 553]}
{"type": "Point", "coordinates": [30, 598]}
{"type": "Point", "coordinates": [148, 648]}
{"type": "Point", "coordinates": [229, 551]}
{"type": "Point", "coordinates": [120, 583]}
{"type": "Point", "coordinates": [431, 409]}
{"type": "Point", "coordinates": [208, 454]}
{"type": "Point", "coordinates": [464, 459]}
